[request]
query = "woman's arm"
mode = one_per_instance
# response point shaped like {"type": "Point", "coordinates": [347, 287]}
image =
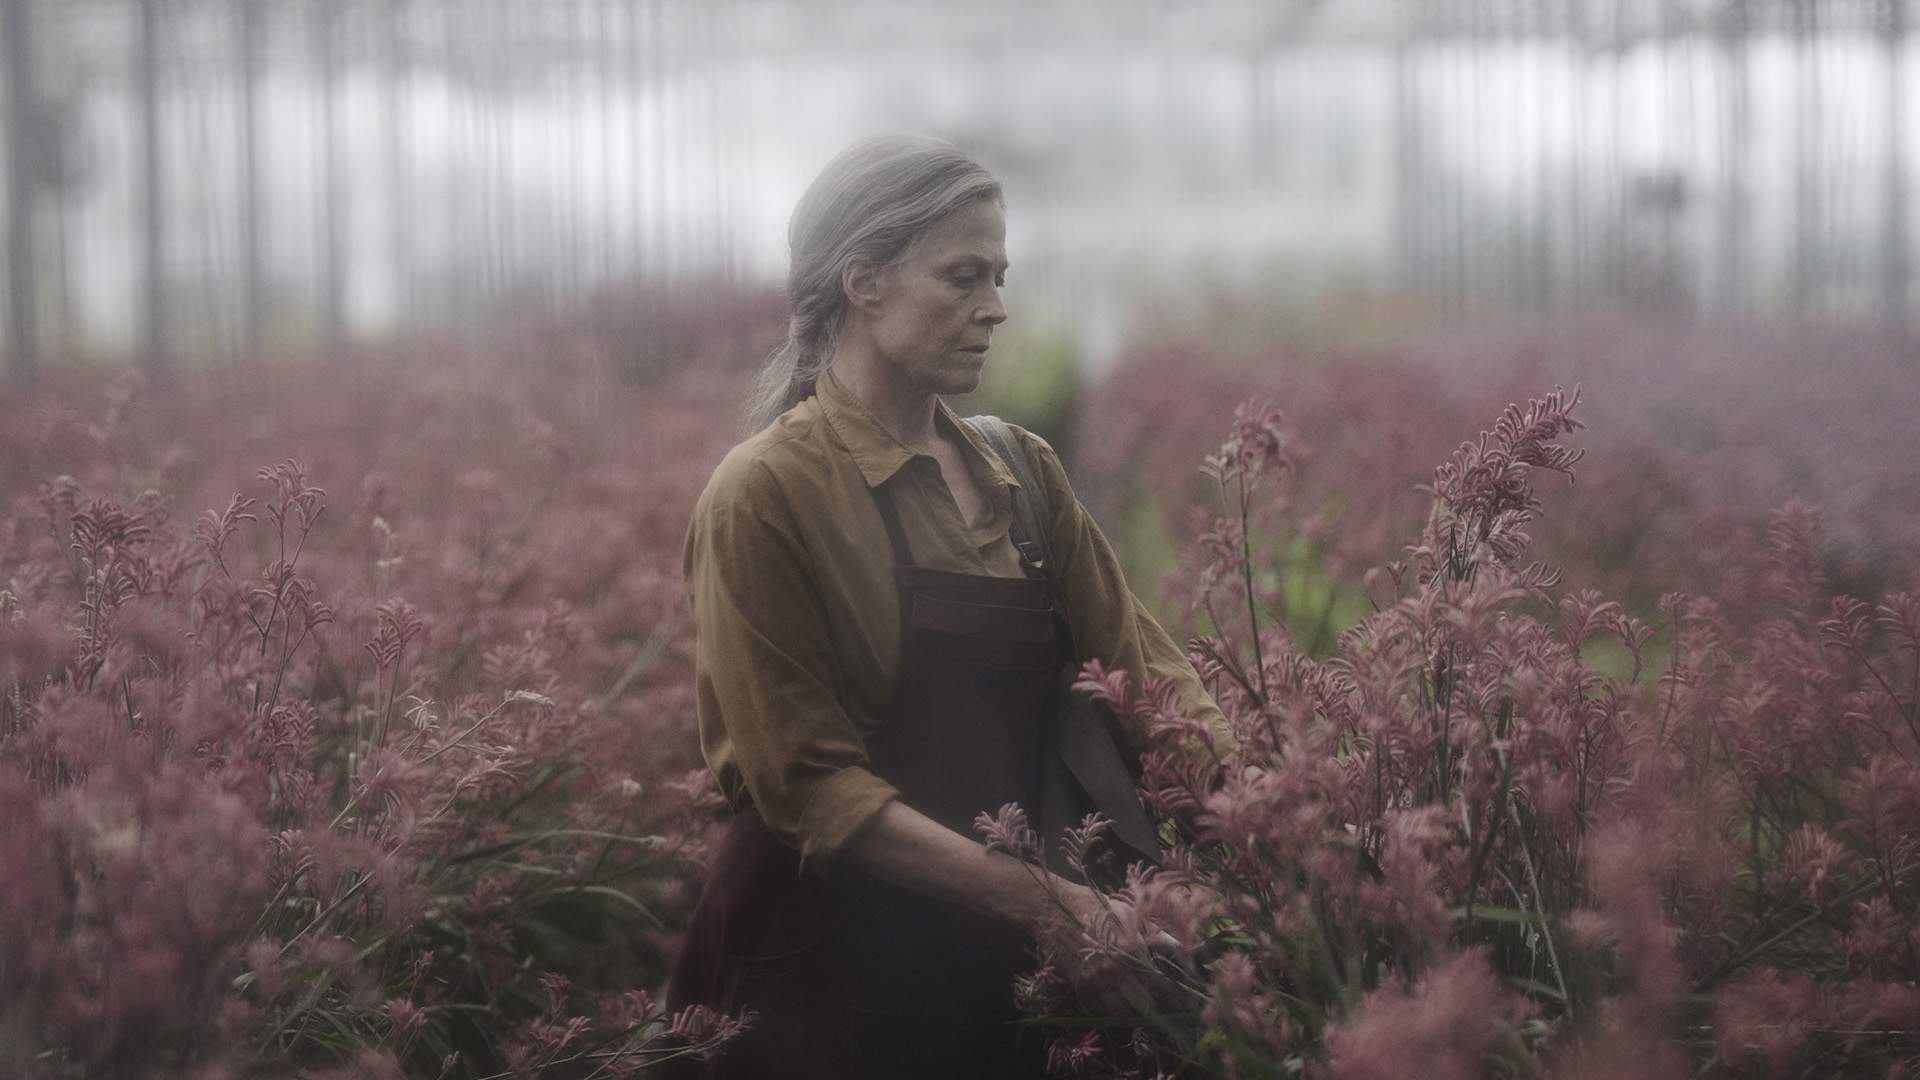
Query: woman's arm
{"type": "Point", "coordinates": [906, 847]}
{"type": "Point", "coordinates": [772, 726]}
{"type": "Point", "coordinates": [1110, 622]}
{"type": "Point", "coordinates": [903, 846]}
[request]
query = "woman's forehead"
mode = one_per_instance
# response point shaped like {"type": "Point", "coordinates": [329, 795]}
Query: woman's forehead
{"type": "Point", "coordinates": [979, 231]}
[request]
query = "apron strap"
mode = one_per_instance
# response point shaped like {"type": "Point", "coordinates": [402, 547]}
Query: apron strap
{"type": "Point", "coordinates": [1083, 735]}
{"type": "Point", "coordinates": [1030, 509]}
{"type": "Point", "coordinates": [890, 517]}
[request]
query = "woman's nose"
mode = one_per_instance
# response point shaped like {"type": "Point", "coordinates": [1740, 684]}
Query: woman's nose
{"type": "Point", "coordinates": [995, 312]}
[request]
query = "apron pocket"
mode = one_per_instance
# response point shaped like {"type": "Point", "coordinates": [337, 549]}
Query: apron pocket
{"type": "Point", "coordinates": [1024, 625]}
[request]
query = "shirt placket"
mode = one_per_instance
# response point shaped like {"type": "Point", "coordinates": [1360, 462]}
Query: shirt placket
{"type": "Point", "coordinates": [931, 491]}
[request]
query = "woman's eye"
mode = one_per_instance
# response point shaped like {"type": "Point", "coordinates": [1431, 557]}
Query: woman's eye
{"type": "Point", "coordinates": [968, 279]}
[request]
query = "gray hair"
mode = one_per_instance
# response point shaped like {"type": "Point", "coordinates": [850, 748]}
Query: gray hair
{"type": "Point", "coordinates": [875, 200]}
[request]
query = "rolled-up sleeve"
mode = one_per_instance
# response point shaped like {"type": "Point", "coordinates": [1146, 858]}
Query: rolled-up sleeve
{"type": "Point", "coordinates": [1110, 622]}
{"type": "Point", "coordinates": [771, 724]}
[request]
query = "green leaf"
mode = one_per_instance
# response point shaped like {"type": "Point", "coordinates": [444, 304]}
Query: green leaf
{"type": "Point", "coordinates": [1536, 987]}
{"type": "Point", "coordinates": [1494, 913]}
{"type": "Point", "coordinates": [622, 898]}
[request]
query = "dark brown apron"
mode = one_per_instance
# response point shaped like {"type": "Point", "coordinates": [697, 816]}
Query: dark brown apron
{"type": "Point", "coordinates": [851, 976]}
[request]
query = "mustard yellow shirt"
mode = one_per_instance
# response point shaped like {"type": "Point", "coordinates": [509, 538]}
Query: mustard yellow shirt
{"type": "Point", "coordinates": [790, 577]}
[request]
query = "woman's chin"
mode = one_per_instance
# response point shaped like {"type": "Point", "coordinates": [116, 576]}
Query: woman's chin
{"type": "Point", "coordinates": [962, 382]}
{"type": "Point", "coordinates": [962, 377]}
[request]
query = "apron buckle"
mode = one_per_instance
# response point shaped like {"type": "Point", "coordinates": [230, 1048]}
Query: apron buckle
{"type": "Point", "coordinates": [1030, 552]}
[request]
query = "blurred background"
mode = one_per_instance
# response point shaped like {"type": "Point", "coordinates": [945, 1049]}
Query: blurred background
{"type": "Point", "coordinates": [193, 181]}
{"type": "Point", "coordinates": [1390, 218]}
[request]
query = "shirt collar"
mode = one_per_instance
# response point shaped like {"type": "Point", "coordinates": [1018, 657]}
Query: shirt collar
{"type": "Point", "coordinates": [875, 449]}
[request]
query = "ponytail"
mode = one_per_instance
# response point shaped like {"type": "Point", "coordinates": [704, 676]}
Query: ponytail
{"type": "Point", "coordinates": [792, 369]}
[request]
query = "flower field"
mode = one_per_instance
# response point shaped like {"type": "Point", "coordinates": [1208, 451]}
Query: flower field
{"type": "Point", "coordinates": [348, 716]}
{"type": "Point", "coordinates": [347, 726]}
{"type": "Point", "coordinates": [1693, 433]}
{"type": "Point", "coordinates": [1612, 778]}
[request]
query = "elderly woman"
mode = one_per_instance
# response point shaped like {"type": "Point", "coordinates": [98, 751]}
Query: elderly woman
{"type": "Point", "coordinates": [879, 660]}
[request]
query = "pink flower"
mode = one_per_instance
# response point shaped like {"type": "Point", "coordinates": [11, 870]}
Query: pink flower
{"type": "Point", "coordinates": [1008, 831]}
{"type": "Point", "coordinates": [1440, 1026]}
{"type": "Point", "coordinates": [1761, 1021]}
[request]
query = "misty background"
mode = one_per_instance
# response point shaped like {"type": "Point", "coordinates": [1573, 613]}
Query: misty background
{"type": "Point", "coordinates": [207, 181]}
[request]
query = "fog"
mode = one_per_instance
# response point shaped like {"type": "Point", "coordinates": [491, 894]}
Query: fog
{"type": "Point", "coordinates": [223, 177]}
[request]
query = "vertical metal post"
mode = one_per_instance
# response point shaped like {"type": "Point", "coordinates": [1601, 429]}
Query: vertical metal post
{"type": "Point", "coordinates": [1895, 260]}
{"type": "Point", "coordinates": [1735, 140]}
{"type": "Point", "coordinates": [397, 86]}
{"type": "Point", "coordinates": [1406, 136]}
{"type": "Point", "coordinates": [22, 327]}
{"type": "Point", "coordinates": [603, 230]}
{"type": "Point", "coordinates": [1806, 239]}
{"type": "Point", "coordinates": [252, 276]}
{"type": "Point", "coordinates": [152, 188]}
{"type": "Point", "coordinates": [637, 75]}
{"type": "Point", "coordinates": [326, 22]}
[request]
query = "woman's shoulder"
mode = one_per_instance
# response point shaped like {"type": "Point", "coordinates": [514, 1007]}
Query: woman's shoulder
{"type": "Point", "coordinates": [1030, 441]}
{"type": "Point", "coordinates": [1036, 448]}
{"type": "Point", "coordinates": [1040, 454]}
{"type": "Point", "coordinates": [755, 468]}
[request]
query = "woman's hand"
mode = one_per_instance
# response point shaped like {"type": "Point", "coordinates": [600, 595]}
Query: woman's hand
{"type": "Point", "coordinates": [1121, 989]}
{"type": "Point", "coordinates": [1082, 903]}
{"type": "Point", "coordinates": [910, 849]}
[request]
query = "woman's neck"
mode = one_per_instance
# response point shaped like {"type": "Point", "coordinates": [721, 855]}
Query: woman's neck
{"type": "Point", "coordinates": [905, 411]}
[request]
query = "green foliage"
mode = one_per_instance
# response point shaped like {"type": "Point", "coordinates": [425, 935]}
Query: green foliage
{"type": "Point", "coordinates": [1032, 378]}
{"type": "Point", "coordinates": [1313, 604]}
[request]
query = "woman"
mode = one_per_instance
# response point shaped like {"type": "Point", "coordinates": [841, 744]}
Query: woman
{"type": "Point", "coordinates": [875, 662]}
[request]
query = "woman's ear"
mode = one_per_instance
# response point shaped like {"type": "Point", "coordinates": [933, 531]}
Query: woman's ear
{"type": "Point", "coordinates": [863, 283]}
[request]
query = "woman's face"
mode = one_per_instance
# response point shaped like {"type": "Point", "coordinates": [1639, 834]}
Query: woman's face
{"type": "Point", "coordinates": [936, 310]}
